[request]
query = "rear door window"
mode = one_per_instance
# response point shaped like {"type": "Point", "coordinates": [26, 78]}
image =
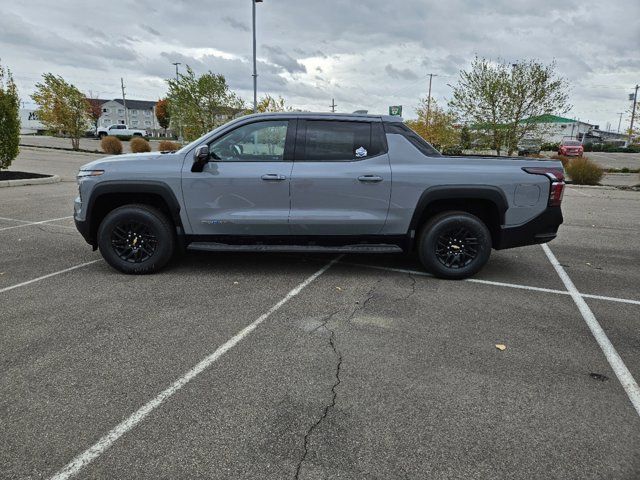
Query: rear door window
{"type": "Point", "coordinates": [340, 141]}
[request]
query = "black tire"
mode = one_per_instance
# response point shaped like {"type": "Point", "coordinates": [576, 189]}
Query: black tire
{"type": "Point", "coordinates": [101, 135]}
{"type": "Point", "coordinates": [137, 134]}
{"type": "Point", "coordinates": [123, 232]}
{"type": "Point", "coordinates": [454, 245]}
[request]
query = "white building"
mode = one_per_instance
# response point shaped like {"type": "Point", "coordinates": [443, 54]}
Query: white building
{"type": "Point", "coordinates": [554, 129]}
{"type": "Point", "coordinates": [29, 122]}
{"type": "Point", "coordinates": [139, 114]}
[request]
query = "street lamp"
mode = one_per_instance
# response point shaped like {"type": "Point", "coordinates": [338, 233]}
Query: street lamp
{"type": "Point", "coordinates": [255, 70]}
{"type": "Point", "coordinates": [176, 64]}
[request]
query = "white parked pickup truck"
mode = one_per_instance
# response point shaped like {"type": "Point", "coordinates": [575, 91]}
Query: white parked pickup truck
{"type": "Point", "coordinates": [120, 131]}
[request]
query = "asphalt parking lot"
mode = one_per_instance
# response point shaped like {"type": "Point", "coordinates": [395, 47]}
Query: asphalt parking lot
{"type": "Point", "coordinates": [308, 366]}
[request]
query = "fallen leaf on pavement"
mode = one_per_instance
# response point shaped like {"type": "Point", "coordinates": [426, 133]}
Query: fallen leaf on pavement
{"type": "Point", "coordinates": [339, 289]}
{"type": "Point", "coordinates": [501, 347]}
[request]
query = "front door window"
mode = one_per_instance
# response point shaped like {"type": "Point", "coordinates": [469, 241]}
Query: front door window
{"type": "Point", "coordinates": [256, 142]}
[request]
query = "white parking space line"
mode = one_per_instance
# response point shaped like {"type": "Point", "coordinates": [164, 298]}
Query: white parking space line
{"type": "Point", "coordinates": [32, 223]}
{"type": "Point", "coordinates": [110, 438]}
{"type": "Point", "coordinates": [15, 220]}
{"type": "Point", "coordinates": [610, 299]}
{"type": "Point", "coordinates": [499, 284]}
{"type": "Point", "coordinates": [622, 372]}
{"type": "Point", "coordinates": [44, 277]}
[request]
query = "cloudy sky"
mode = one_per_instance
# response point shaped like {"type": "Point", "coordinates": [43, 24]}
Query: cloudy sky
{"type": "Point", "coordinates": [365, 54]}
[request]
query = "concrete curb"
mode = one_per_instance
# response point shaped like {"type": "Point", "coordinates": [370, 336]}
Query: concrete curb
{"type": "Point", "coordinates": [30, 181]}
{"type": "Point", "coordinates": [64, 149]}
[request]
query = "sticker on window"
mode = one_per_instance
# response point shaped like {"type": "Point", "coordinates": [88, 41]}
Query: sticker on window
{"type": "Point", "coordinates": [361, 152]}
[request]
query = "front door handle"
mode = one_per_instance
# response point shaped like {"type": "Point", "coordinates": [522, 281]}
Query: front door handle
{"type": "Point", "coordinates": [273, 177]}
{"type": "Point", "coordinates": [370, 178]}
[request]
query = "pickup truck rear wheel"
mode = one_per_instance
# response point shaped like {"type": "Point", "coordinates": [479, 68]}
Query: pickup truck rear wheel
{"type": "Point", "coordinates": [136, 239]}
{"type": "Point", "coordinates": [454, 245]}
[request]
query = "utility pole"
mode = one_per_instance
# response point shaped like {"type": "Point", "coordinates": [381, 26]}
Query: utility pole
{"type": "Point", "coordinates": [255, 68]}
{"type": "Point", "coordinates": [620, 120]}
{"type": "Point", "coordinates": [176, 65]}
{"type": "Point", "coordinates": [431, 75]}
{"type": "Point", "coordinates": [124, 101]}
{"type": "Point", "coordinates": [333, 105]}
{"type": "Point", "coordinates": [633, 114]}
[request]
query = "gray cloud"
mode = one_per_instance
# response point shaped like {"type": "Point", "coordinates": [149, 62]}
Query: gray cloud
{"type": "Point", "coordinates": [400, 73]}
{"type": "Point", "coordinates": [150, 30]}
{"type": "Point", "coordinates": [278, 56]}
{"type": "Point", "coordinates": [235, 24]}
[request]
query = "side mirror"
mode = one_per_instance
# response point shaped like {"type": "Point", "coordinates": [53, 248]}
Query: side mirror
{"type": "Point", "coordinates": [200, 158]}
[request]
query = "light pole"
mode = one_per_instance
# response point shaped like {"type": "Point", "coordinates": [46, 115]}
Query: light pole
{"type": "Point", "coordinates": [176, 64]}
{"type": "Point", "coordinates": [633, 114]}
{"type": "Point", "coordinates": [255, 69]}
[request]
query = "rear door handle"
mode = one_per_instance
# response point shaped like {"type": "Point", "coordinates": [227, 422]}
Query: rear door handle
{"type": "Point", "coordinates": [370, 178]}
{"type": "Point", "coordinates": [273, 177]}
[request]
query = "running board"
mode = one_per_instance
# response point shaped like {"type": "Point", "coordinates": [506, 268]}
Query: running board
{"type": "Point", "coordinates": [223, 247]}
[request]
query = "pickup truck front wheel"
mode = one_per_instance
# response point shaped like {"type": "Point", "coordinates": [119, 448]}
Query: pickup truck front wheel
{"type": "Point", "coordinates": [454, 245]}
{"type": "Point", "coordinates": [136, 239]}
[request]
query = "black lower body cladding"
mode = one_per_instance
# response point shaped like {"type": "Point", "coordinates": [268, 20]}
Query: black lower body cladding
{"type": "Point", "coordinates": [540, 229]}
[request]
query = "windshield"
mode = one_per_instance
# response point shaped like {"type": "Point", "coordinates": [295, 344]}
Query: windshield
{"type": "Point", "coordinates": [571, 143]}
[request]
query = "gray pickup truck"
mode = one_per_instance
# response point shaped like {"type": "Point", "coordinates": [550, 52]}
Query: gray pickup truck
{"type": "Point", "coordinates": [306, 182]}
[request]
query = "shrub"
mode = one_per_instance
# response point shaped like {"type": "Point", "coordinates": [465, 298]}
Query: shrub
{"type": "Point", "coordinates": [111, 145]}
{"type": "Point", "coordinates": [452, 150]}
{"type": "Point", "coordinates": [168, 146]}
{"type": "Point", "coordinates": [550, 147]}
{"type": "Point", "coordinates": [584, 172]}
{"type": "Point", "coordinates": [139, 145]}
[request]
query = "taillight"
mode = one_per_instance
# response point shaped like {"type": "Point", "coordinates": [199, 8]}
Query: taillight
{"type": "Point", "coordinates": [556, 176]}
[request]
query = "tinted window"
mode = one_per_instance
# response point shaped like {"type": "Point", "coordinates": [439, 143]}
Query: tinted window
{"type": "Point", "coordinates": [415, 139]}
{"type": "Point", "coordinates": [256, 142]}
{"type": "Point", "coordinates": [341, 141]}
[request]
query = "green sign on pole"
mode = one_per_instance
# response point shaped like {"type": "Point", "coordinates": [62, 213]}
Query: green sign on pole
{"type": "Point", "coordinates": [395, 110]}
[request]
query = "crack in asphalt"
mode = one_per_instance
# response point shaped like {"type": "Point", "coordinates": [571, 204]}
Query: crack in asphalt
{"type": "Point", "coordinates": [413, 288]}
{"type": "Point", "coordinates": [334, 394]}
{"type": "Point", "coordinates": [336, 383]}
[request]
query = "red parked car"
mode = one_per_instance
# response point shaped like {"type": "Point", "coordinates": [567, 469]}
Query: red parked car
{"type": "Point", "coordinates": [571, 148]}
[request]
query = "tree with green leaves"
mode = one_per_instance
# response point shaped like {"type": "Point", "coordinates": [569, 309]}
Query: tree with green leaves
{"type": "Point", "coordinates": [62, 107]}
{"type": "Point", "coordinates": [438, 128]}
{"type": "Point", "coordinates": [504, 100]}
{"type": "Point", "coordinates": [9, 119]}
{"type": "Point", "coordinates": [465, 137]}
{"type": "Point", "coordinates": [200, 104]}
{"type": "Point", "coordinates": [163, 114]}
{"type": "Point", "coordinates": [272, 104]}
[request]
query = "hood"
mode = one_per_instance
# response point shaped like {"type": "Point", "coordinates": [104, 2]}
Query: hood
{"type": "Point", "coordinates": [126, 159]}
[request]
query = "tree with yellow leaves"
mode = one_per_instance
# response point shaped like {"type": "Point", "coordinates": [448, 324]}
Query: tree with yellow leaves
{"type": "Point", "coordinates": [435, 125]}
